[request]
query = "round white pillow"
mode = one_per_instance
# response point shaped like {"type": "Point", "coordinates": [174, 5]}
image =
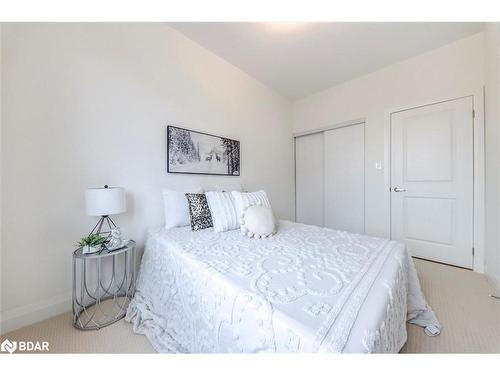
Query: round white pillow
{"type": "Point", "coordinates": [257, 221]}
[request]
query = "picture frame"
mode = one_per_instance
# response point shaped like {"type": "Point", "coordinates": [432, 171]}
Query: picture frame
{"type": "Point", "coordinates": [194, 152]}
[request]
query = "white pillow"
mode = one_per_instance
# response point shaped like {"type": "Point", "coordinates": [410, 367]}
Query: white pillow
{"type": "Point", "coordinates": [176, 208]}
{"type": "Point", "coordinates": [243, 200]}
{"type": "Point", "coordinates": [257, 221]}
{"type": "Point", "coordinates": [223, 210]}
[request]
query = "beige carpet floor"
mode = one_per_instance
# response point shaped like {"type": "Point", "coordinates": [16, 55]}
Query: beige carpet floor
{"type": "Point", "coordinates": [471, 321]}
{"type": "Point", "coordinates": [460, 298]}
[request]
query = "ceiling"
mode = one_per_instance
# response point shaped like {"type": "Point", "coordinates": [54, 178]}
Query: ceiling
{"type": "Point", "coordinates": [297, 59]}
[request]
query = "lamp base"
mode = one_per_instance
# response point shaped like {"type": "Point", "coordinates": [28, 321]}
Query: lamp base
{"type": "Point", "coordinates": [104, 226]}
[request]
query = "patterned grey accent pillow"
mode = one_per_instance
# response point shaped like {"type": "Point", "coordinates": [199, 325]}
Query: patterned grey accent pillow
{"type": "Point", "coordinates": [201, 218]}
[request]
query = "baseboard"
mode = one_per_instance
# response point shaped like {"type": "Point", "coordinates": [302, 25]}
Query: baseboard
{"type": "Point", "coordinates": [35, 312]}
{"type": "Point", "coordinates": [495, 284]}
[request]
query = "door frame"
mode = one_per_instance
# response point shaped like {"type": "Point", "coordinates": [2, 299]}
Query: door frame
{"type": "Point", "coordinates": [478, 166]}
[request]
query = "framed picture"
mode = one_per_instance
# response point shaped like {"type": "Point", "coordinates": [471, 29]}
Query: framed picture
{"type": "Point", "coordinates": [193, 152]}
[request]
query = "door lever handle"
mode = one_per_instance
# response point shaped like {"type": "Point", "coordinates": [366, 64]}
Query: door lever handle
{"type": "Point", "coordinates": [399, 190]}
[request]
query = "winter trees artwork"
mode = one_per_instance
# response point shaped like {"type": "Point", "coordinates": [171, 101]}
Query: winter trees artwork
{"type": "Point", "coordinates": [189, 151]}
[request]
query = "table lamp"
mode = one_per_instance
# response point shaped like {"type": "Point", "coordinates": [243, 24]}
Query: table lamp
{"type": "Point", "coordinates": [104, 202]}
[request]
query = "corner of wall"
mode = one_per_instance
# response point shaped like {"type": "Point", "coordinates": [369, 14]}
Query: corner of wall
{"type": "Point", "coordinates": [1, 168]}
{"type": "Point", "coordinates": [492, 140]}
{"type": "Point", "coordinates": [34, 312]}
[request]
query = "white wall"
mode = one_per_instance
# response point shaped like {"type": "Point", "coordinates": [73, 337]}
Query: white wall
{"type": "Point", "coordinates": [447, 72]}
{"type": "Point", "coordinates": [86, 105]}
{"type": "Point", "coordinates": [492, 124]}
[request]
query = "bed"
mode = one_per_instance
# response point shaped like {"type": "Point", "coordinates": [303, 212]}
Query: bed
{"type": "Point", "coordinates": [306, 289]}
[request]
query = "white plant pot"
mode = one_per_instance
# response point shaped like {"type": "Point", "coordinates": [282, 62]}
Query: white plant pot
{"type": "Point", "coordinates": [90, 249]}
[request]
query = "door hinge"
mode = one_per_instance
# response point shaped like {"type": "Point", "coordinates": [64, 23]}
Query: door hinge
{"type": "Point", "coordinates": [473, 113]}
{"type": "Point", "coordinates": [473, 251]}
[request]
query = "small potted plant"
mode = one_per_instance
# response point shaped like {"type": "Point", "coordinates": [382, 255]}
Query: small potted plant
{"type": "Point", "coordinates": [91, 243]}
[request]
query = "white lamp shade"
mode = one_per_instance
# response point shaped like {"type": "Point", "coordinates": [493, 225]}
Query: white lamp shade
{"type": "Point", "coordinates": [105, 201]}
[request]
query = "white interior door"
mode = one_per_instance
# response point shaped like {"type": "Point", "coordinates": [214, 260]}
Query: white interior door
{"type": "Point", "coordinates": [432, 181]}
{"type": "Point", "coordinates": [309, 182]}
{"type": "Point", "coordinates": [344, 178]}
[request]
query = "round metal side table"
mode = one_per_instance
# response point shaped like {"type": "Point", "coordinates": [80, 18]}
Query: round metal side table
{"type": "Point", "coordinates": [103, 286]}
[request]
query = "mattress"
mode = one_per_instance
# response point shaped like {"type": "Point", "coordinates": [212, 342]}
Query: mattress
{"type": "Point", "coordinates": [306, 289]}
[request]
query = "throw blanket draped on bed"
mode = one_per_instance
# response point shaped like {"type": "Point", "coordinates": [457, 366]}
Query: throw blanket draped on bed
{"type": "Point", "coordinates": [304, 290]}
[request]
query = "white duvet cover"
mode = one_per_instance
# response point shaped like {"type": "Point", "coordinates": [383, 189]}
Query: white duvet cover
{"type": "Point", "coordinates": [307, 289]}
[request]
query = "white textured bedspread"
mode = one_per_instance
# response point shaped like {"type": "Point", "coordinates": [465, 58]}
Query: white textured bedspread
{"type": "Point", "coordinates": [307, 289]}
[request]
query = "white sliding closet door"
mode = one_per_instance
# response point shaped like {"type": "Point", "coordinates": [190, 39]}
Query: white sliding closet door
{"type": "Point", "coordinates": [344, 183]}
{"type": "Point", "coordinates": [309, 180]}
